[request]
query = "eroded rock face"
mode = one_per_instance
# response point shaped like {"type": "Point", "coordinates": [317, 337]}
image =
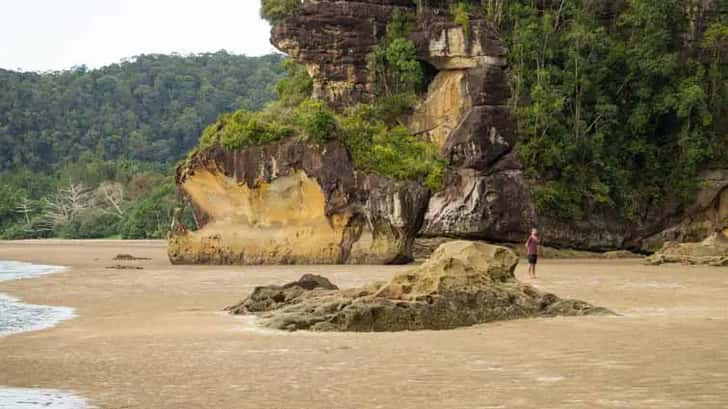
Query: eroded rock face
{"type": "Point", "coordinates": [292, 203]}
{"type": "Point", "coordinates": [462, 284]}
{"type": "Point", "coordinates": [465, 113]}
{"type": "Point", "coordinates": [493, 207]}
{"type": "Point", "coordinates": [705, 216]}
{"type": "Point", "coordinates": [333, 38]}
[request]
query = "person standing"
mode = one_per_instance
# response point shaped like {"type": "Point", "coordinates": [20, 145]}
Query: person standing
{"type": "Point", "coordinates": [532, 246]}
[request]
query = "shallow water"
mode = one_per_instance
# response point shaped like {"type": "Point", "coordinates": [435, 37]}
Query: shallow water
{"type": "Point", "coordinates": [17, 270]}
{"type": "Point", "coordinates": [17, 317]}
{"type": "Point", "coordinates": [22, 398]}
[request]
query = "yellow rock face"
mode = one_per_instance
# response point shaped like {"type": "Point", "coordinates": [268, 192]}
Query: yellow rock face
{"type": "Point", "coordinates": [446, 104]}
{"type": "Point", "coordinates": [283, 222]}
{"type": "Point", "coordinates": [454, 266]}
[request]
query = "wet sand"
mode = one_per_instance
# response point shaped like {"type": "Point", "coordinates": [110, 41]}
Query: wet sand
{"type": "Point", "coordinates": [156, 338]}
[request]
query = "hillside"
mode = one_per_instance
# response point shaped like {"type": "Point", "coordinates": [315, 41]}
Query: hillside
{"type": "Point", "coordinates": [148, 108]}
{"type": "Point", "coordinates": [88, 152]}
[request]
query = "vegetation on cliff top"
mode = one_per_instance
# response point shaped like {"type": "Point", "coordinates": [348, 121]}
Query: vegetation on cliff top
{"type": "Point", "coordinates": [374, 133]}
{"type": "Point", "coordinates": [89, 153]}
{"type": "Point", "coordinates": [618, 107]}
{"type": "Point", "coordinates": [276, 10]}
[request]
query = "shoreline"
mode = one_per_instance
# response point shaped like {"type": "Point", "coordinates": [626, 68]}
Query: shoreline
{"type": "Point", "coordinates": [157, 338]}
{"type": "Point", "coordinates": [18, 316]}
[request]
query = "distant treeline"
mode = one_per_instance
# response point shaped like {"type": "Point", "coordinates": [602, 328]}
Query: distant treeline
{"type": "Point", "coordinates": [90, 153]}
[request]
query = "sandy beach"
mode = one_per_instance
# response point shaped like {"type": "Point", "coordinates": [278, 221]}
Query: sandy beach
{"type": "Point", "coordinates": [156, 338]}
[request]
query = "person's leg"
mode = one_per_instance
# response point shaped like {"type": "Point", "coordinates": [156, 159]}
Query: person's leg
{"type": "Point", "coordinates": [530, 267]}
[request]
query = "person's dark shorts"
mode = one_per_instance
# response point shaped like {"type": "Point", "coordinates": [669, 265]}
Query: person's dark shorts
{"type": "Point", "coordinates": [532, 259]}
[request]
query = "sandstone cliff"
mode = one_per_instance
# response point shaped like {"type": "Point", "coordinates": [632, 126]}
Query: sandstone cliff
{"type": "Point", "coordinates": [294, 203]}
{"type": "Point", "coordinates": [464, 111]}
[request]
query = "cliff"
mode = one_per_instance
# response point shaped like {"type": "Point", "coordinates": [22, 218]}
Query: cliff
{"type": "Point", "coordinates": [292, 202]}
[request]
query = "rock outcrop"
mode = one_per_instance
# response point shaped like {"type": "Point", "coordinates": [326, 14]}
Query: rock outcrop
{"type": "Point", "coordinates": [332, 38]}
{"type": "Point", "coordinates": [706, 215]}
{"type": "Point", "coordinates": [293, 203]}
{"type": "Point", "coordinates": [465, 111]}
{"type": "Point", "coordinates": [462, 284]}
{"type": "Point", "coordinates": [711, 251]}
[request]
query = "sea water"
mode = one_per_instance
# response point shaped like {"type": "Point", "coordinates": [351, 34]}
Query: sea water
{"type": "Point", "coordinates": [26, 398]}
{"type": "Point", "coordinates": [16, 317]}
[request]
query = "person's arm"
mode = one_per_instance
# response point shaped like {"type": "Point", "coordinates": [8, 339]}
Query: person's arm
{"type": "Point", "coordinates": [528, 241]}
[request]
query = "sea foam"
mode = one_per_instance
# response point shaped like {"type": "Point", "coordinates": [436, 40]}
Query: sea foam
{"type": "Point", "coordinates": [26, 398]}
{"type": "Point", "coordinates": [16, 316]}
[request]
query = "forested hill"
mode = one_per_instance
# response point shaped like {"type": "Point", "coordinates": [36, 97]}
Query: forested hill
{"type": "Point", "coordinates": [147, 108]}
{"type": "Point", "coordinates": [90, 153]}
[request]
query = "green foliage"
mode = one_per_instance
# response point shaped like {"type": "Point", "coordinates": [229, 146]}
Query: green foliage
{"type": "Point", "coordinates": [276, 10]}
{"type": "Point", "coordinates": [390, 151]}
{"type": "Point", "coordinates": [296, 86]}
{"type": "Point", "coordinates": [394, 62]}
{"type": "Point", "coordinates": [90, 224]}
{"type": "Point", "coordinates": [317, 122]}
{"type": "Point", "coordinates": [243, 129]}
{"type": "Point", "coordinates": [150, 108]}
{"type": "Point", "coordinates": [618, 114]}
{"type": "Point", "coordinates": [461, 12]}
{"type": "Point", "coordinates": [33, 204]}
{"type": "Point", "coordinates": [151, 216]}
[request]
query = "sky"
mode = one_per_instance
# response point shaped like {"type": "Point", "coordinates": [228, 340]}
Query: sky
{"type": "Point", "coordinates": [48, 35]}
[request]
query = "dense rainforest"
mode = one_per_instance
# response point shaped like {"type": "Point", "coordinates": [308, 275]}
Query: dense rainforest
{"type": "Point", "coordinates": [619, 104]}
{"type": "Point", "coordinates": [90, 152]}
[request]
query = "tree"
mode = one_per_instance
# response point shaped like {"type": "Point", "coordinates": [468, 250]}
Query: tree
{"type": "Point", "coordinates": [111, 196]}
{"type": "Point", "coordinates": [67, 203]}
{"type": "Point", "coordinates": [25, 207]}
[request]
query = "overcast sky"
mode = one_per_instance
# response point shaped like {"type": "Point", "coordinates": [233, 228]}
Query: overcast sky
{"type": "Point", "coordinates": [41, 35]}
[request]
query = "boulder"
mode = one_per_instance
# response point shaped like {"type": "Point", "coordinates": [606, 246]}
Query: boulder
{"type": "Point", "coordinates": [494, 207]}
{"type": "Point", "coordinates": [711, 251]}
{"type": "Point", "coordinates": [462, 284]}
{"type": "Point", "coordinates": [707, 214]}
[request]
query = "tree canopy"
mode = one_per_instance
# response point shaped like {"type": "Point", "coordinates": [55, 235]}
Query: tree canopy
{"type": "Point", "coordinates": [149, 108]}
{"type": "Point", "coordinates": [91, 153]}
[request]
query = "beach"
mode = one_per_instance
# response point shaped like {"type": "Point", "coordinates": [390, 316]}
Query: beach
{"type": "Point", "coordinates": [158, 338]}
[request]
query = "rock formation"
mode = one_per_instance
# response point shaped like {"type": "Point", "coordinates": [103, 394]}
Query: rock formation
{"type": "Point", "coordinates": [706, 215]}
{"type": "Point", "coordinates": [711, 251]}
{"type": "Point", "coordinates": [292, 203]}
{"type": "Point", "coordinates": [464, 283]}
{"type": "Point", "coordinates": [464, 112]}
